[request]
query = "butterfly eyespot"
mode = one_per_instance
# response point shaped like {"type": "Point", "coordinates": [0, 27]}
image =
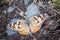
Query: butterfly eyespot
{"type": "Point", "coordinates": [35, 18]}
{"type": "Point", "coordinates": [19, 27]}
{"type": "Point", "coordinates": [13, 26]}
{"type": "Point", "coordinates": [37, 21]}
{"type": "Point", "coordinates": [18, 22]}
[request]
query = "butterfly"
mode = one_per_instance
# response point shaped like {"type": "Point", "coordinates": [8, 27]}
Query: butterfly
{"type": "Point", "coordinates": [22, 27]}
{"type": "Point", "coordinates": [31, 24]}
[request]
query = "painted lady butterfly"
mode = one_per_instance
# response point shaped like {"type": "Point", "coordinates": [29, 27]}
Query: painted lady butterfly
{"type": "Point", "coordinates": [23, 28]}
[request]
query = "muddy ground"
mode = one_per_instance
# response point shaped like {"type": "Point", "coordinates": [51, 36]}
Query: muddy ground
{"type": "Point", "coordinates": [50, 29]}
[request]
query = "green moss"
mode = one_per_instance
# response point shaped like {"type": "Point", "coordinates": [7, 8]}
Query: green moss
{"type": "Point", "coordinates": [55, 2]}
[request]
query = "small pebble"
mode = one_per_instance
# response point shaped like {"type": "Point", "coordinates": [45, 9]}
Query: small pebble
{"type": "Point", "coordinates": [32, 10]}
{"type": "Point", "coordinates": [10, 9]}
{"type": "Point", "coordinates": [14, 20]}
{"type": "Point", "coordinates": [10, 32]}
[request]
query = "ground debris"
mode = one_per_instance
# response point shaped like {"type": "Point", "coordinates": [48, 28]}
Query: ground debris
{"type": "Point", "coordinates": [50, 28]}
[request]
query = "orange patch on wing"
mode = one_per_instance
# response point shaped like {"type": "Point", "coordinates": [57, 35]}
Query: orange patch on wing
{"type": "Point", "coordinates": [24, 32]}
{"type": "Point", "coordinates": [34, 29]}
{"type": "Point", "coordinates": [36, 25]}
